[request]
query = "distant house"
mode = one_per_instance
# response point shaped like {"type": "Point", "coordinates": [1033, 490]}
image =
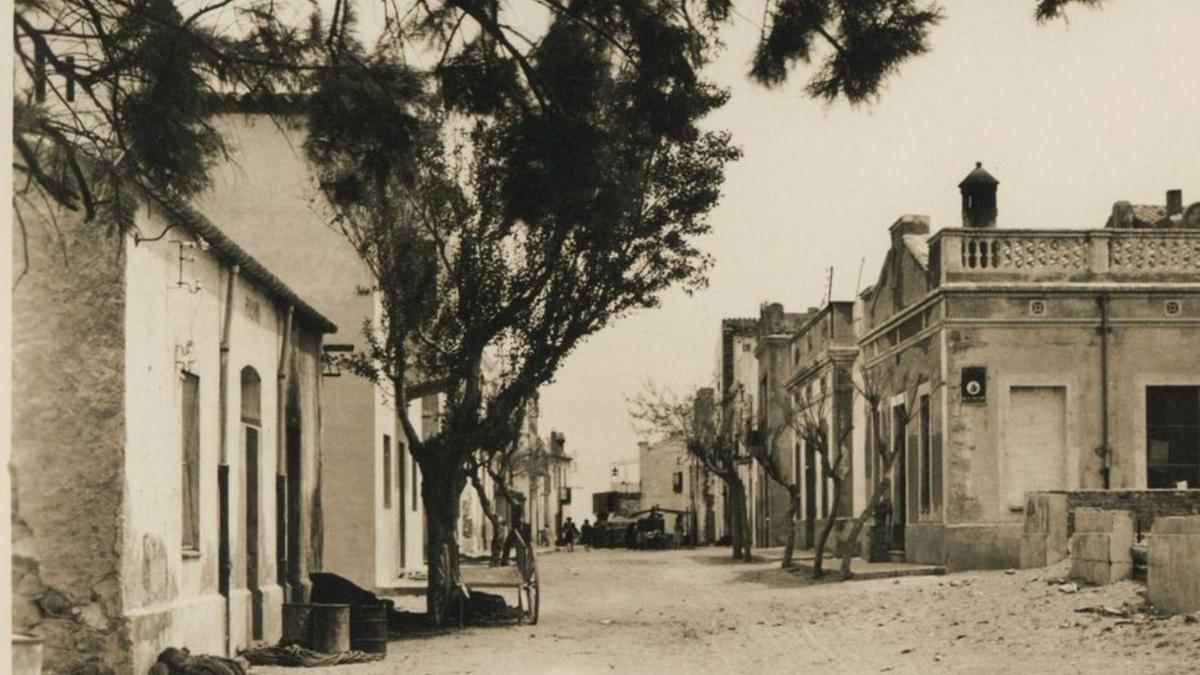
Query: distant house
{"type": "Point", "coordinates": [166, 441]}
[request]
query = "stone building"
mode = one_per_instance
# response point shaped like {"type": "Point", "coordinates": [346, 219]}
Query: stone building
{"type": "Point", "coordinates": [166, 441]}
{"type": "Point", "coordinates": [820, 395]}
{"type": "Point", "coordinates": [670, 481]}
{"type": "Point", "coordinates": [772, 352]}
{"type": "Point", "coordinates": [1027, 360]}
{"type": "Point", "coordinates": [736, 368]}
{"type": "Point", "coordinates": [374, 517]}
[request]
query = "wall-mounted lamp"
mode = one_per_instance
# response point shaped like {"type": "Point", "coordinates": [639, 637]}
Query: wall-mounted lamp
{"type": "Point", "coordinates": [184, 256]}
{"type": "Point", "coordinates": [185, 361]}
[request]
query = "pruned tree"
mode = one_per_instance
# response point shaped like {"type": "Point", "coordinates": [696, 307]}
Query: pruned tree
{"type": "Point", "coordinates": [809, 421]}
{"type": "Point", "coordinates": [517, 202]}
{"type": "Point", "coordinates": [713, 432]}
{"type": "Point", "coordinates": [873, 385]}
{"type": "Point", "coordinates": [766, 454]}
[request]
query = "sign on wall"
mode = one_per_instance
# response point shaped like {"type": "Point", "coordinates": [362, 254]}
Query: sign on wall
{"type": "Point", "coordinates": [974, 384]}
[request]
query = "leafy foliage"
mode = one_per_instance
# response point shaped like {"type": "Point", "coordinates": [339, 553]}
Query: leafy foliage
{"type": "Point", "coordinates": [868, 41]}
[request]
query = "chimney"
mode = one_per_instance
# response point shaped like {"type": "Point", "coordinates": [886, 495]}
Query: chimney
{"type": "Point", "coordinates": [978, 198]}
{"type": "Point", "coordinates": [1174, 202]}
{"type": "Point", "coordinates": [909, 224]}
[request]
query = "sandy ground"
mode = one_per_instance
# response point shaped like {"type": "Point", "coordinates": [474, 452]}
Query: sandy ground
{"type": "Point", "coordinates": [698, 612]}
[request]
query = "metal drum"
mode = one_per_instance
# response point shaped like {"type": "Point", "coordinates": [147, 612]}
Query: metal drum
{"type": "Point", "coordinates": [330, 628]}
{"type": "Point", "coordinates": [369, 628]}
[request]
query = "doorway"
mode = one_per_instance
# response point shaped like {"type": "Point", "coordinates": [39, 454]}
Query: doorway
{"type": "Point", "coordinates": [900, 476]}
{"type": "Point", "coordinates": [251, 440]}
{"type": "Point", "coordinates": [1035, 445]}
{"type": "Point", "coordinates": [810, 495]}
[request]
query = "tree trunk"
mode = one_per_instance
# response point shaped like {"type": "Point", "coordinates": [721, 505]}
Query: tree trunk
{"type": "Point", "coordinates": [740, 517]}
{"type": "Point", "coordinates": [882, 487]}
{"type": "Point", "coordinates": [442, 483]}
{"type": "Point", "coordinates": [827, 529]}
{"type": "Point", "coordinates": [735, 522]}
{"type": "Point", "coordinates": [789, 547]}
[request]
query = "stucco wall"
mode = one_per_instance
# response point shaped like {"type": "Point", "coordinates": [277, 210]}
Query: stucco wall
{"type": "Point", "coordinates": [173, 596]}
{"type": "Point", "coordinates": [658, 463]}
{"type": "Point", "coordinates": [68, 445]}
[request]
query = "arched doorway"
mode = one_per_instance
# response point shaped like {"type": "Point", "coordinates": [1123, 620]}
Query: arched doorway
{"type": "Point", "coordinates": [251, 441]}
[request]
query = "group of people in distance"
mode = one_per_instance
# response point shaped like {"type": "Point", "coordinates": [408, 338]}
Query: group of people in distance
{"type": "Point", "coordinates": [570, 533]}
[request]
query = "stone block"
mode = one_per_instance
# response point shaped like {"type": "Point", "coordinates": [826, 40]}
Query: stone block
{"type": "Point", "coordinates": [1101, 548]}
{"type": "Point", "coordinates": [1044, 541]}
{"type": "Point", "coordinates": [1173, 574]}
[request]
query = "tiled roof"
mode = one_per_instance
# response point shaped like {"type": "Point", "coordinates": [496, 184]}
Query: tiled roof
{"type": "Point", "coordinates": [195, 222]}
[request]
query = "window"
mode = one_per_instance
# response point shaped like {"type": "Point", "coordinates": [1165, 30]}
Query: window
{"type": "Point", "coordinates": [190, 427]}
{"type": "Point", "coordinates": [926, 456]}
{"type": "Point", "coordinates": [1173, 437]}
{"type": "Point", "coordinates": [677, 481]}
{"type": "Point", "coordinates": [387, 471]}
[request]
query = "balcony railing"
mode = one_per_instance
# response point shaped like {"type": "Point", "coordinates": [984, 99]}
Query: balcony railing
{"type": "Point", "coordinates": [1066, 255]}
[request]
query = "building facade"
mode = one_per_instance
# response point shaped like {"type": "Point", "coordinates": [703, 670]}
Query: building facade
{"type": "Point", "coordinates": [820, 398]}
{"type": "Point", "coordinates": [736, 370]}
{"type": "Point", "coordinates": [1013, 361]}
{"type": "Point", "coordinates": [773, 353]}
{"type": "Point", "coordinates": [166, 442]}
{"type": "Point", "coordinates": [374, 516]}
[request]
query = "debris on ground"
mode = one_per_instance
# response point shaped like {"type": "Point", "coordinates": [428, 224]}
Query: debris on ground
{"type": "Point", "coordinates": [297, 656]}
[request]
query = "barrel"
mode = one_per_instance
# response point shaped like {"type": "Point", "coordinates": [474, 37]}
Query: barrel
{"type": "Point", "coordinates": [330, 628]}
{"type": "Point", "coordinates": [369, 628]}
{"type": "Point", "coordinates": [297, 624]}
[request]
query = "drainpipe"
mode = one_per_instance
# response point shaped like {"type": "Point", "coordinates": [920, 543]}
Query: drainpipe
{"type": "Point", "coordinates": [1104, 450]}
{"type": "Point", "coordinates": [281, 561]}
{"type": "Point", "coordinates": [224, 565]}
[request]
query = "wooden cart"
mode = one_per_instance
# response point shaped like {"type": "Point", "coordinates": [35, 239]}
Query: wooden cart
{"type": "Point", "coordinates": [520, 576]}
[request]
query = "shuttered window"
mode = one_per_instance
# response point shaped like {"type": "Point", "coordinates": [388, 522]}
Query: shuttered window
{"type": "Point", "coordinates": [191, 461]}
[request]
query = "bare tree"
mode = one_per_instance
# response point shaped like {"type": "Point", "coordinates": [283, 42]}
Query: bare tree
{"type": "Point", "coordinates": [712, 433]}
{"type": "Point", "coordinates": [766, 456]}
{"type": "Point", "coordinates": [809, 420]}
{"type": "Point", "coordinates": [872, 389]}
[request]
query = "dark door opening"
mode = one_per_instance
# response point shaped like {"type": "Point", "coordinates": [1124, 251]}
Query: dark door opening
{"type": "Point", "coordinates": [810, 495]}
{"type": "Point", "coordinates": [900, 476]}
{"type": "Point", "coordinates": [251, 435]}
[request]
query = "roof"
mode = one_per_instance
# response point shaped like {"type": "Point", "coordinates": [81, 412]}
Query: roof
{"type": "Point", "coordinates": [979, 176]}
{"type": "Point", "coordinates": [740, 325]}
{"type": "Point", "coordinates": [918, 246]}
{"type": "Point", "coordinates": [186, 216]}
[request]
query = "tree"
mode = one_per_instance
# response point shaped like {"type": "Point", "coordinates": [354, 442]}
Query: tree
{"type": "Point", "coordinates": [806, 417]}
{"type": "Point", "coordinates": [514, 199]}
{"type": "Point", "coordinates": [858, 43]}
{"type": "Point", "coordinates": [712, 433]}
{"type": "Point", "coordinates": [872, 388]}
{"type": "Point", "coordinates": [810, 422]}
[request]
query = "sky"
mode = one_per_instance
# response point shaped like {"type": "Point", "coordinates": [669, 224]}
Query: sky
{"type": "Point", "coordinates": [1069, 117]}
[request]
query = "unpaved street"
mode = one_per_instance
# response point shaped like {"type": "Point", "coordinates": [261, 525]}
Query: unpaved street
{"type": "Point", "coordinates": [697, 612]}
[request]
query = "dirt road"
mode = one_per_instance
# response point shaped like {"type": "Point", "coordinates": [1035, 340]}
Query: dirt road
{"type": "Point", "coordinates": [698, 612]}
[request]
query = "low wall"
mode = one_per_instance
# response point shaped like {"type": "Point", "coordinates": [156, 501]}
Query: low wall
{"type": "Point", "coordinates": [964, 547]}
{"type": "Point", "coordinates": [1146, 505]}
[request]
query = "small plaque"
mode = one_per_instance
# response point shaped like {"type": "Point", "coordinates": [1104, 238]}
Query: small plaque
{"type": "Point", "coordinates": [1172, 307]}
{"type": "Point", "coordinates": [974, 384]}
{"type": "Point", "coordinates": [1037, 307]}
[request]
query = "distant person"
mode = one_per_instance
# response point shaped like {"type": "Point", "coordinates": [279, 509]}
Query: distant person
{"type": "Point", "coordinates": [570, 532]}
{"type": "Point", "coordinates": [679, 529]}
{"type": "Point", "coordinates": [585, 535]}
{"type": "Point", "coordinates": [516, 530]}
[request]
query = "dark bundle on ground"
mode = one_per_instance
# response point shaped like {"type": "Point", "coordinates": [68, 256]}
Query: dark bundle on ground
{"type": "Point", "coordinates": [488, 607]}
{"type": "Point", "coordinates": [174, 661]}
{"type": "Point", "coordinates": [295, 655]}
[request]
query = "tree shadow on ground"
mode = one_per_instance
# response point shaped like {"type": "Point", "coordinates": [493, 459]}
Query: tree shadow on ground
{"type": "Point", "coordinates": [775, 577]}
